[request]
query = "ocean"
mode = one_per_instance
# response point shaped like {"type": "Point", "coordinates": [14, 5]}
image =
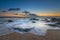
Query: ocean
{"type": "Point", "coordinates": [20, 25]}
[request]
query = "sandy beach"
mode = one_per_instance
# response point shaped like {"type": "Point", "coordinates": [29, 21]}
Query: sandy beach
{"type": "Point", "coordinates": [51, 35]}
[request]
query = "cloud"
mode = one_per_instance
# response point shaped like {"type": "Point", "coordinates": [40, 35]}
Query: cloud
{"type": "Point", "coordinates": [26, 11]}
{"type": "Point", "coordinates": [4, 11]}
{"type": "Point", "coordinates": [14, 9]}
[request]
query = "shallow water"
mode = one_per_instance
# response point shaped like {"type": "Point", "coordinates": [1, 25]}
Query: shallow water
{"type": "Point", "coordinates": [38, 28]}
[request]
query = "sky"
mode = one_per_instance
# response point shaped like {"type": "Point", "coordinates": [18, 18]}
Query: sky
{"type": "Point", "coordinates": [33, 6]}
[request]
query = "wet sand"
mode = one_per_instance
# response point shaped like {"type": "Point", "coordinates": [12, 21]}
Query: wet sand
{"type": "Point", "coordinates": [51, 35]}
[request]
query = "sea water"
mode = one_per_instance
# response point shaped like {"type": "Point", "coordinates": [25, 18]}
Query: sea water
{"type": "Point", "coordinates": [38, 28]}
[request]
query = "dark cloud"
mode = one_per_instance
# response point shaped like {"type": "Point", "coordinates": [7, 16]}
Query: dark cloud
{"type": "Point", "coordinates": [26, 11]}
{"type": "Point", "coordinates": [14, 9]}
{"type": "Point", "coordinates": [4, 11]}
